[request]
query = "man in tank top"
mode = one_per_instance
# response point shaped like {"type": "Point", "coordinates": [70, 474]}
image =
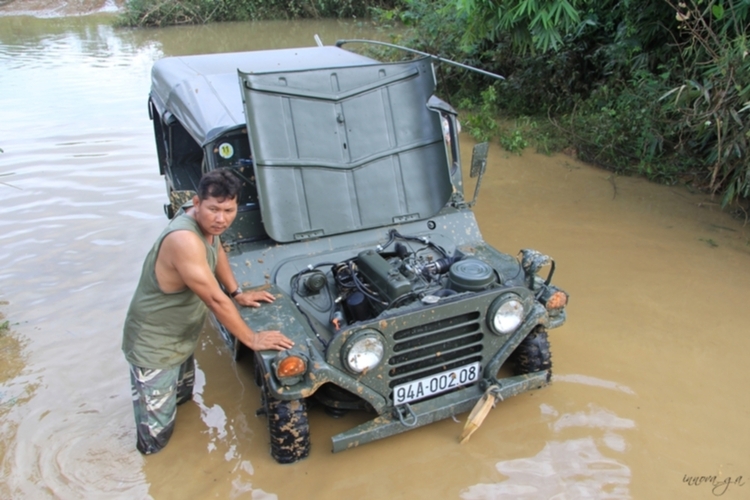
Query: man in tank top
{"type": "Point", "coordinates": [181, 279]}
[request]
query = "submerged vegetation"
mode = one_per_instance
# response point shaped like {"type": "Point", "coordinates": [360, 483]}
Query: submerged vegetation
{"type": "Point", "coordinates": [659, 88]}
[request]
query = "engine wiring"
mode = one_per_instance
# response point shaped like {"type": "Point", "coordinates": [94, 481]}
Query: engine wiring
{"type": "Point", "coordinates": [394, 234]}
{"type": "Point", "coordinates": [423, 271]}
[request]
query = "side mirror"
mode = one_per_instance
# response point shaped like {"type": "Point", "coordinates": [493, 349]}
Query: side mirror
{"type": "Point", "coordinates": [478, 166]}
{"type": "Point", "coordinates": [479, 159]}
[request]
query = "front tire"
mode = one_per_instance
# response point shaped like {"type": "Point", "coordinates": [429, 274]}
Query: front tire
{"type": "Point", "coordinates": [533, 354]}
{"type": "Point", "coordinates": [288, 428]}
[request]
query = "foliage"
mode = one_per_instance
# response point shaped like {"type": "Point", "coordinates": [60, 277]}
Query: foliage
{"type": "Point", "coordinates": [514, 141]}
{"type": "Point", "coordinates": [714, 98]}
{"type": "Point", "coordinates": [654, 87]}
{"type": "Point", "coordinates": [532, 24]}
{"type": "Point", "coordinates": [170, 12]}
{"type": "Point", "coordinates": [480, 122]}
{"type": "Point", "coordinates": [624, 127]}
{"type": "Point", "coordinates": [436, 28]}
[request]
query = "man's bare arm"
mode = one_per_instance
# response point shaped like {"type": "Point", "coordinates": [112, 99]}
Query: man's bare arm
{"type": "Point", "coordinates": [184, 252]}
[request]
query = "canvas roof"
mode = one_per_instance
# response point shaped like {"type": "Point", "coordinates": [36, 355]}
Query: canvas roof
{"type": "Point", "coordinates": [202, 91]}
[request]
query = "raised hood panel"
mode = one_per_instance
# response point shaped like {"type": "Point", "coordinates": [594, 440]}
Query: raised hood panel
{"type": "Point", "coordinates": [346, 148]}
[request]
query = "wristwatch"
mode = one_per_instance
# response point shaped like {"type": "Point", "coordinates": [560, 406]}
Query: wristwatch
{"type": "Point", "coordinates": [236, 292]}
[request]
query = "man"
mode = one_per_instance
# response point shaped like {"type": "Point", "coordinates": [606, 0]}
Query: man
{"type": "Point", "coordinates": [180, 281]}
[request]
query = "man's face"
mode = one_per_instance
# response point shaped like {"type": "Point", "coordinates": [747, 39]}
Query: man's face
{"type": "Point", "coordinates": [214, 215]}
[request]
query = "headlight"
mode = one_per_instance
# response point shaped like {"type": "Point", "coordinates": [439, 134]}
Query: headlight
{"type": "Point", "coordinates": [506, 314]}
{"type": "Point", "coordinates": [363, 351]}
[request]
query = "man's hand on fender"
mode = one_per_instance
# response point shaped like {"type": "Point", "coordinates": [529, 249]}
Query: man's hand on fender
{"type": "Point", "coordinates": [270, 339]}
{"type": "Point", "coordinates": [254, 298]}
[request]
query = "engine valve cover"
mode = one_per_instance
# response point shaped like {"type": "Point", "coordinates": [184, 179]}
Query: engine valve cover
{"type": "Point", "coordinates": [387, 280]}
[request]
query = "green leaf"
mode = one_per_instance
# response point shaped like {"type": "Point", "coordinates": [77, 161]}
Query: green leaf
{"type": "Point", "coordinates": [718, 11]}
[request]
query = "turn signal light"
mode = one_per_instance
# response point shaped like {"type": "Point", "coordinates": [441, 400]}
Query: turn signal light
{"type": "Point", "coordinates": [557, 300]}
{"type": "Point", "coordinates": [291, 366]}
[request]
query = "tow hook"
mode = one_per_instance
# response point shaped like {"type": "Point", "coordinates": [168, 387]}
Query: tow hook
{"type": "Point", "coordinates": [405, 411]}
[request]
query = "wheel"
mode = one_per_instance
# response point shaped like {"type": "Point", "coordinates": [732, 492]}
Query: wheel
{"type": "Point", "coordinates": [533, 354]}
{"type": "Point", "coordinates": [288, 428]}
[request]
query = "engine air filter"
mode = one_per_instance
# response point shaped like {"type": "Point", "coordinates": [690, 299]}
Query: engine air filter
{"type": "Point", "coordinates": [471, 275]}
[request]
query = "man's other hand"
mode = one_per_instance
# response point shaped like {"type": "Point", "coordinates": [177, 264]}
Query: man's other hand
{"type": "Point", "coordinates": [254, 298]}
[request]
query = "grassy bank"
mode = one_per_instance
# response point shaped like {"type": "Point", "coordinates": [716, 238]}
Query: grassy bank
{"type": "Point", "coordinates": [143, 13]}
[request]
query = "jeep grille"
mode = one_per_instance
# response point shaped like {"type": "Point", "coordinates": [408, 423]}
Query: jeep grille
{"type": "Point", "coordinates": [434, 347]}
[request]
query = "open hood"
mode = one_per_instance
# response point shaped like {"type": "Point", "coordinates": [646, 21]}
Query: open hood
{"type": "Point", "coordinates": [345, 148]}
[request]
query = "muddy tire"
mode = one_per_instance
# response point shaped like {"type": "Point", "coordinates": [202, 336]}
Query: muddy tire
{"type": "Point", "coordinates": [288, 428]}
{"type": "Point", "coordinates": [533, 354]}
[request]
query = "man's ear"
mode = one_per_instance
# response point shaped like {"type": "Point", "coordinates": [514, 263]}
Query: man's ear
{"type": "Point", "coordinates": [196, 200]}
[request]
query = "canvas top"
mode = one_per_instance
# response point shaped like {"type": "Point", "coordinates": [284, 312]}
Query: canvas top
{"type": "Point", "coordinates": [202, 92]}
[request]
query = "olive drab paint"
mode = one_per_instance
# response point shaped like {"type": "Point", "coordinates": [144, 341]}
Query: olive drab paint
{"type": "Point", "coordinates": [352, 214]}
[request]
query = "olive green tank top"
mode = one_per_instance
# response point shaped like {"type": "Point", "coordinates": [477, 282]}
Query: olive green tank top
{"type": "Point", "coordinates": [162, 329]}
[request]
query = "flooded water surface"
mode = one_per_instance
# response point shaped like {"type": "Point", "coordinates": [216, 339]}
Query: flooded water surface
{"type": "Point", "coordinates": [649, 397]}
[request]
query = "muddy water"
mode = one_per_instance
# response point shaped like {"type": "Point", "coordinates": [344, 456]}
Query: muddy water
{"type": "Point", "coordinates": [650, 383]}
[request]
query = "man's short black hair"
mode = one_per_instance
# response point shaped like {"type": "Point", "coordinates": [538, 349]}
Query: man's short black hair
{"type": "Point", "coordinates": [220, 184]}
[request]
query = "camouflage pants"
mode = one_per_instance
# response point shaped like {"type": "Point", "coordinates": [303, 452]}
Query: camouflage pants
{"type": "Point", "coordinates": [156, 394]}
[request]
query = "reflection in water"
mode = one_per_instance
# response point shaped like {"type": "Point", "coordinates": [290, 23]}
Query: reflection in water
{"type": "Point", "coordinates": [570, 469]}
{"type": "Point", "coordinates": [596, 417]}
{"type": "Point", "coordinates": [592, 381]}
{"type": "Point", "coordinates": [213, 416]}
{"type": "Point", "coordinates": [16, 387]}
{"type": "Point", "coordinates": [220, 437]}
{"type": "Point", "coordinates": [562, 470]}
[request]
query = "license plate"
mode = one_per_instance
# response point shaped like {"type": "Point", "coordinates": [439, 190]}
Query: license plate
{"type": "Point", "coordinates": [435, 384]}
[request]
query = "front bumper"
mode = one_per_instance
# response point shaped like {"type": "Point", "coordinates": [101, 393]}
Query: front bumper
{"type": "Point", "coordinates": [392, 419]}
{"type": "Point", "coordinates": [432, 410]}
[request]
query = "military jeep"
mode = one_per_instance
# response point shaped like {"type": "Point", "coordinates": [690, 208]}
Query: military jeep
{"type": "Point", "coordinates": [353, 214]}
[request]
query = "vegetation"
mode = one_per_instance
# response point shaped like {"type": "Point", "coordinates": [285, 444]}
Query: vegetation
{"type": "Point", "coordinates": [169, 12]}
{"type": "Point", "coordinates": [659, 88]}
{"type": "Point", "coordinates": [653, 87]}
